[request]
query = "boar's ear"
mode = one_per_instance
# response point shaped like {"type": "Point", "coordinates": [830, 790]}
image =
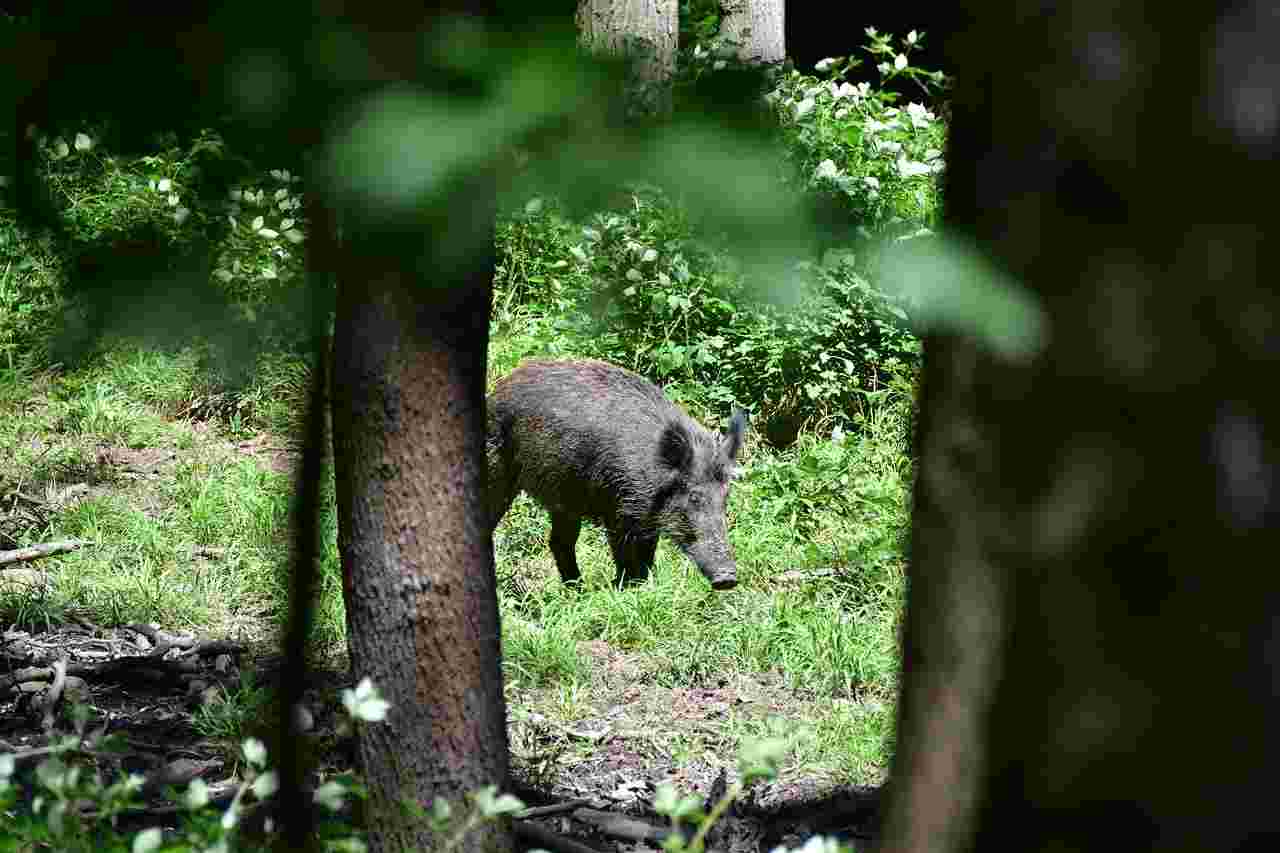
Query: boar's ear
{"type": "Point", "coordinates": [733, 438]}
{"type": "Point", "coordinates": [675, 448]}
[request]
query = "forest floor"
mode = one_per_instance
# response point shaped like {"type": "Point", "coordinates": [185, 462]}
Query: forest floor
{"type": "Point", "coordinates": [167, 611]}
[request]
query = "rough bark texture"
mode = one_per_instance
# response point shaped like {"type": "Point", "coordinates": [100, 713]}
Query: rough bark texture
{"type": "Point", "coordinates": [417, 556]}
{"type": "Point", "coordinates": [756, 27]}
{"type": "Point", "coordinates": [646, 32]}
{"type": "Point", "coordinates": [1090, 641]}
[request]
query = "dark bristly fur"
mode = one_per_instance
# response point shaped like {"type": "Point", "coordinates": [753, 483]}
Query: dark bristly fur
{"type": "Point", "coordinates": [589, 440]}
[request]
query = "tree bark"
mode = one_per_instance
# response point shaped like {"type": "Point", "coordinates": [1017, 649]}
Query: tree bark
{"type": "Point", "coordinates": [409, 380]}
{"type": "Point", "coordinates": [644, 32]}
{"type": "Point", "coordinates": [1089, 646]}
{"type": "Point", "coordinates": [756, 27]}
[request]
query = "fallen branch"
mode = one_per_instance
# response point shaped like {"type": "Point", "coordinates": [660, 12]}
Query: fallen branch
{"type": "Point", "coordinates": [553, 809]}
{"type": "Point", "coordinates": [620, 826]}
{"type": "Point", "coordinates": [540, 836]}
{"type": "Point", "coordinates": [35, 552]}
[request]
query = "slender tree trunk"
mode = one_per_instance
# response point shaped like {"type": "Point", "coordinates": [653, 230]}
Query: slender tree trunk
{"type": "Point", "coordinates": [756, 27]}
{"type": "Point", "coordinates": [1091, 630]}
{"type": "Point", "coordinates": [646, 33]}
{"type": "Point", "coordinates": [417, 554]}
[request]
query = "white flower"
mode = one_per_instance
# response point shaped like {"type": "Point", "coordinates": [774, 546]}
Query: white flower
{"type": "Point", "coordinates": [913, 37]}
{"type": "Point", "coordinates": [871, 32]}
{"type": "Point", "coordinates": [844, 90]}
{"type": "Point", "coordinates": [365, 702]}
{"type": "Point", "coordinates": [824, 64]}
{"type": "Point", "coordinates": [827, 169]}
{"type": "Point", "coordinates": [883, 68]}
{"type": "Point", "coordinates": [910, 168]}
{"type": "Point", "coordinates": [293, 235]}
{"type": "Point", "coordinates": [871, 181]}
{"type": "Point", "coordinates": [163, 185]}
{"type": "Point", "coordinates": [173, 199]}
{"type": "Point", "coordinates": [900, 61]}
{"type": "Point", "coordinates": [805, 107]}
{"type": "Point", "coordinates": [919, 115]}
{"type": "Point", "coordinates": [842, 112]}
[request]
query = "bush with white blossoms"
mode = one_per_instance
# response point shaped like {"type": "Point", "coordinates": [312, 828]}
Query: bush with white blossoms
{"type": "Point", "coordinates": [881, 160]}
{"type": "Point", "coordinates": [263, 250]}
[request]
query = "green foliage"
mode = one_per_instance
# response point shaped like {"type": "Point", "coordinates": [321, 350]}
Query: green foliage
{"type": "Point", "coordinates": [639, 289]}
{"type": "Point", "coordinates": [639, 285]}
{"type": "Point", "coordinates": [99, 195]}
{"type": "Point", "coordinates": [877, 163]}
{"type": "Point", "coordinates": [30, 295]}
{"type": "Point", "coordinates": [261, 261]}
{"type": "Point", "coordinates": [851, 474]}
{"type": "Point", "coordinates": [159, 200]}
{"type": "Point", "coordinates": [699, 21]}
{"type": "Point", "coordinates": [66, 805]}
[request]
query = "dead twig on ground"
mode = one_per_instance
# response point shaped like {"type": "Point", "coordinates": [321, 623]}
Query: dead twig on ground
{"type": "Point", "coordinates": [35, 552]}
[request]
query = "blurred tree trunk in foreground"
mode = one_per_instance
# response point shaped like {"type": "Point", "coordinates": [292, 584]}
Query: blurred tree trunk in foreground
{"type": "Point", "coordinates": [1092, 625]}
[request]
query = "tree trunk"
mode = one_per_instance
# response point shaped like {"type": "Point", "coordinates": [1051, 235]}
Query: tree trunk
{"type": "Point", "coordinates": [1089, 650]}
{"type": "Point", "coordinates": [756, 27]}
{"type": "Point", "coordinates": [417, 555]}
{"type": "Point", "coordinates": [645, 32]}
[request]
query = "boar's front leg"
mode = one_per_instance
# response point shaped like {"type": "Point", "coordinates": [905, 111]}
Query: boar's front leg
{"type": "Point", "coordinates": [564, 540]}
{"type": "Point", "coordinates": [633, 557]}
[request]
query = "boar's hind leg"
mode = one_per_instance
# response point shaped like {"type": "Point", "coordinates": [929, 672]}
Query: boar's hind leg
{"type": "Point", "coordinates": [633, 557]}
{"type": "Point", "coordinates": [564, 539]}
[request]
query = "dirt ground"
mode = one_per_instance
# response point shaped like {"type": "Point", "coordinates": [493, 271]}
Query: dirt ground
{"type": "Point", "coordinates": [146, 683]}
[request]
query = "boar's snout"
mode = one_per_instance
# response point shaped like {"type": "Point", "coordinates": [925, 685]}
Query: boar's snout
{"type": "Point", "coordinates": [725, 580]}
{"type": "Point", "coordinates": [720, 571]}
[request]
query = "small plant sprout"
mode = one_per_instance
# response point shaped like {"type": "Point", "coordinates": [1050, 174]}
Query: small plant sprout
{"type": "Point", "coordinates": [254, 753]}
{"type": "Point", "coordinates": [331, 795]}
{"type": "Point", "coordinates": [487, 805]}
{"type": "Point", "coordinates": [757, 760]}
